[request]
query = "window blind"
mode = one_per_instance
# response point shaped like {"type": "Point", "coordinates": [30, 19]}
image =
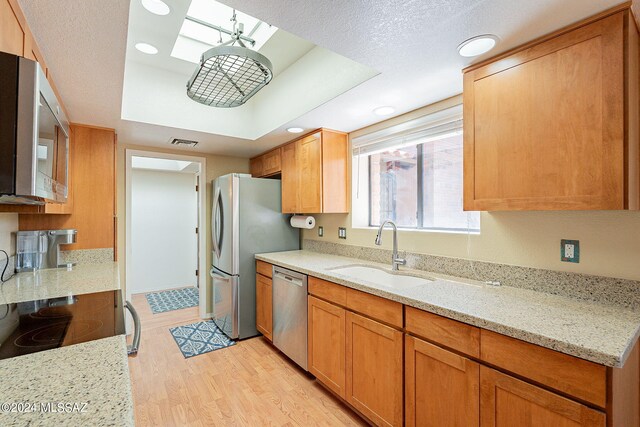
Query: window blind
{"type": "Point", "coordinates": [423, 129]}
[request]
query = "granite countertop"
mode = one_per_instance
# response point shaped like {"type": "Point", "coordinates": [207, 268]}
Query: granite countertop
{"type": "Point", "coordinates": [60, 282]}
{"type": "Point", "coordinates": [603, 334]}
{"type": "Point", "coordinates": [90, 380]}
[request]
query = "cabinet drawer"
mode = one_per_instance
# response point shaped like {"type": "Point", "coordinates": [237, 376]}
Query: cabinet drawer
{"type": "Point", "coordinates": [327, 290]}
{"type": "Point", "coordinates": [576, 377]}
{"type": "Point", "coordinates": [449, 333]}
{"type": "Point", "coordinates": [375, 307]}
{"type": "Point", "coordinates": [264, 268]}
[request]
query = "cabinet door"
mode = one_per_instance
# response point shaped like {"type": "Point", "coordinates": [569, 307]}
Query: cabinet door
{"type": "Point", "coordinates": [544, 128]}
{"type": "Point", "coordinates": [290, 174]}
{"type": "Point", "coordinates": [506, 401]}
{"type": "Point", "coordinates": [264, 304]}
{"type": "Point", "coordinates": [442, 388]}
{"type": "Point", "coordinates": [11, 32]}
{"type": "Point", "coordinates": [374, 370]}
{"type": "Point", "coordinates": [327, 344]}
{"type": "Point", "coordinates": [255, 167]}
{"type": "Point", "coordinates": [272, 162]}
{"type": "Point", "coordinates": [309, 164]}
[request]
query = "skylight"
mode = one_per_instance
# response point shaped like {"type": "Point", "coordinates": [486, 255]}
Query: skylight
{"type": "Point", "coordinates": [195, 38]}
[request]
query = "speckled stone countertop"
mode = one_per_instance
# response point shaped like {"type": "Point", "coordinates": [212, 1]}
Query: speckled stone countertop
{"type": "Point", "coordinates": [94, 376]}
{"type": "Point", "coordinates": [60, 282]}
{"type": "Point", "coordinates": [600, 333]}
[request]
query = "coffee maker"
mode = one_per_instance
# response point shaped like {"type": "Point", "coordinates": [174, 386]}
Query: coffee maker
{"type": "Point", "coordinates": [39, 249]}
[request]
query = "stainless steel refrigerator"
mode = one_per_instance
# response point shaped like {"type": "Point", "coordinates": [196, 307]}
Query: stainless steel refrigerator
{"type": "Point", "coordinates": [246, 219]}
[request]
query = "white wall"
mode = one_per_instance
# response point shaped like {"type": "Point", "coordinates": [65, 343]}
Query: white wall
{"type": "Point", "coordinates": [163, 221]}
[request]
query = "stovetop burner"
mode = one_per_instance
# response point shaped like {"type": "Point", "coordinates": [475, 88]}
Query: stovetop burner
{"type": "Point", "coordinates": [29, 327]}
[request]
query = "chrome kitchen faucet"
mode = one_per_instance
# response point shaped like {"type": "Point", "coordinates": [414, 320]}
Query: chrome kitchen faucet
{"type": "Point", "coordinates": [395, 260]}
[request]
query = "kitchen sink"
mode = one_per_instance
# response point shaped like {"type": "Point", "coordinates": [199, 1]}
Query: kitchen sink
{"type": "Point", "coordinates": [382, 277]}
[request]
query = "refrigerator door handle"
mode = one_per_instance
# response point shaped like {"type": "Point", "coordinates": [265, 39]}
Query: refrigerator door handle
{"type": "Point", "coordinates": [214, 229]}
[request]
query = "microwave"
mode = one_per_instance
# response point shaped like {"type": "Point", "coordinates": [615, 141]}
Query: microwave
{"type": "Point", "coordinates": [34, 135]}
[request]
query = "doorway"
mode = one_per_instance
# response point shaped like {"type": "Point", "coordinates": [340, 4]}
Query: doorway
{"type": "Point", "coordinates": [165, 249]}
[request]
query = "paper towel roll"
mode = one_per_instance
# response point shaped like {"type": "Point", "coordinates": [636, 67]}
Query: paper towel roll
{"type": "Point", "coordinates": [300, 221]}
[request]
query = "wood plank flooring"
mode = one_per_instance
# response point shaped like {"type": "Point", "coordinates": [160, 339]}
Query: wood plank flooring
{"type": "Point", "coordinates": [249, 384]}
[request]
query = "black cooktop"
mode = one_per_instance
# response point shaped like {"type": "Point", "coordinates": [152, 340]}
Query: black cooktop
{"type": "Point", "coordinates": [29, 327]}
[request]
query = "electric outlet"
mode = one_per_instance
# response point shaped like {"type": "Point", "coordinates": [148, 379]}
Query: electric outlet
{"type": "Point", "coordinates": [342, 233]}
{"type": "Point", "coordinates": [570, 250]}
{"type": "Point", "coordinates": [320, 231]}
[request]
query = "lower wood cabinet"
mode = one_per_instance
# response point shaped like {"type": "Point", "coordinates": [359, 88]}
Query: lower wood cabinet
{"type": "Point", "coordinates": [507, 401]}
{"type": "Point", "coordinates": [264, 306]}
{"type": "Point", "coordinates": [374, 380]}
{"type": "Point", "coordinates": [326, 351]}
{"type": "Point", "coordinates": [441, 387]}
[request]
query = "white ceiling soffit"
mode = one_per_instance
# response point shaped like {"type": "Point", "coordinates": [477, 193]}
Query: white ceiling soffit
{"type": "Point", "coordinates": [306, 76]}
{"type": "Point", "coordinates": [412, 43]}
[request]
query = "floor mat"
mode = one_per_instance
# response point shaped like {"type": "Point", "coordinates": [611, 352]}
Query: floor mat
{"type": "Point", "coordinates": [199, 338]}
{"type": "Point", "coordinates": [173, 299]}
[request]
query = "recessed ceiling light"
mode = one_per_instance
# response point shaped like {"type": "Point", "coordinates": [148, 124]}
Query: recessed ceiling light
{"type": "Point", "coordinates": [156, 6]}
{"type": "Point", "coordinates": [384, 111]}
{"type": "Point", "coordinates": [146, 48]}
{"type": "Point", "coordinates": [477, 45]}
{"type": "Point", "coordinates": [295, 130]}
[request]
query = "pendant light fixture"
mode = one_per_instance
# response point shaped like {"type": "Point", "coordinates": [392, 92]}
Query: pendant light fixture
{"type": "Point", "coordinates": [228, 75]}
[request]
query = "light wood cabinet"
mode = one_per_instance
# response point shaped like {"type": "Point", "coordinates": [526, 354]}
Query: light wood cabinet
{"type": "Point", "coordinates": [443, 367]}
{"type": "Point", "coordinates": [314, 173]}
{"type": "Point", "coordinates": [326, 346]}
{"type": "Point", "coordinates": [12, 31]}
{"type": "Point", "coordinates": [289, 179]}
{"type": "Point", "coordinates": [374, 370]}
{"type": "Point", "coordinates": [268, 164]}
{"type": "Point", "coordinates": [507, 401]}
{"type": "Point", "coordinates": [264, 306]}
{"type": "Point", "coordinates": [441, 387]}
{"type": "Point", "coordinates": [92, 179]}
{"type": "Point", "coordinates": [553, 125]}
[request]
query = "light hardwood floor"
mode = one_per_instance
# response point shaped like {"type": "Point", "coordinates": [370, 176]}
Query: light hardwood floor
{"type": "Point", "coordinates": [249, 384]}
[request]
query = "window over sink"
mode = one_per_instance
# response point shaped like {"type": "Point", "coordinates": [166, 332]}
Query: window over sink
{"type": "Point", "coordinates": [411, 173]}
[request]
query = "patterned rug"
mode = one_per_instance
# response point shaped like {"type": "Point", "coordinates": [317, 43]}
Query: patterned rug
{"type": "Point", "coordinates": [199, 338]}
{"type": "Point", "coordinates": [173, 299]}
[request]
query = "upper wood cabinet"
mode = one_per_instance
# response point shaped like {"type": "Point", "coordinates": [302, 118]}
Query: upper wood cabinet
{"type": "Point", "coordinates": [92, 178]}
{"type": "Point", "coordinates": [314, 174]}
{"type": "Point", "coordinates": [12, 31]}
{"type": "Point", "coordinates": [553, 125]}
{"type": "Point", "coordinates": [267, 164]}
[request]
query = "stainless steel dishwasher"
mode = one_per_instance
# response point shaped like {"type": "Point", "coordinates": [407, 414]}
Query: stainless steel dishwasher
{"type": "Point", "coordinates": [290, 314]}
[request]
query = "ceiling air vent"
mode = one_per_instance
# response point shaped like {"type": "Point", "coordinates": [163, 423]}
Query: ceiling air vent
{"type": "Point", "coordinates": [183, 142]}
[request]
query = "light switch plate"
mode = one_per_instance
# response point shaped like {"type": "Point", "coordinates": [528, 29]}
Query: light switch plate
{"type": "Point", "coordinates": [570, 250]}
{"type": "Point", "coordinates": [320, 231]}
{"type": "Point", "coordinates": [342, 233]}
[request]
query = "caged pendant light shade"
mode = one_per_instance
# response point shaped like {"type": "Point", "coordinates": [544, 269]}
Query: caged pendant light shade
{"type": "Point", "coordinates": [228, 76]}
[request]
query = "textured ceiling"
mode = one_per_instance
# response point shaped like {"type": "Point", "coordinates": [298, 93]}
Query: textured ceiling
{"type": "Point", "coordinates": [411, 42]}
{"type": "Point", "coordinates": [83, 42]}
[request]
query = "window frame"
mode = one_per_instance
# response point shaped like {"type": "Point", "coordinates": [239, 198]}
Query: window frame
{"type": "Point", "coordinates": [420, 199]}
